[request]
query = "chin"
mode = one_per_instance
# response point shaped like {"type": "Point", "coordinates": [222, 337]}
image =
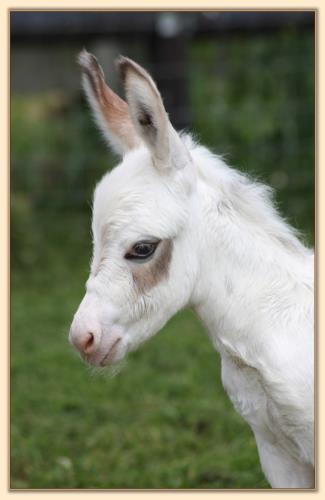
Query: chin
{"type": "Point", "coordinates": [104, 358]}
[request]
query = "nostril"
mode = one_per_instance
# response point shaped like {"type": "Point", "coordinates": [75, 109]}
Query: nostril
{"type": "Point", "coordinates": [88, 342]}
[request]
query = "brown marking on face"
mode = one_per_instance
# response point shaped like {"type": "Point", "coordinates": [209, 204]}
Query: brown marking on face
{"type": "Point", "coordinates": [114, 109]}
{"type": "Point", "coordinates": [146, 275]}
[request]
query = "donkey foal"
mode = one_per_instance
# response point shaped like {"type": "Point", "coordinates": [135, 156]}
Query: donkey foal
{"type": "Point", "coordinates": [174, 226]}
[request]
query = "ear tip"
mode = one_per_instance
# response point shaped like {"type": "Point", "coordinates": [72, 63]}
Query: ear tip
{"type": "Point", "coordinates": [83, 58]}
{"type": "Point", "coordinates": [87, 61]}
{"type": "Point", "coordinates": [126, 66]}
{"type": "Point", "coordinates": [121, 59]}
{"type": "Point", "coordinates": [123, 64]}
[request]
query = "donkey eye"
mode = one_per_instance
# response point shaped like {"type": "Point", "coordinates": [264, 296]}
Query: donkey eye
{"type": "Point", "coordinates": [142, 250]}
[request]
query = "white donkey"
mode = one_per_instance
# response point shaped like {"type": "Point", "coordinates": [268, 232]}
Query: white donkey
{"type": "Point", "coordinates": [174, 226]}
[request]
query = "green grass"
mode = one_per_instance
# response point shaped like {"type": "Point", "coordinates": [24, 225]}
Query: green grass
{"type": "Point", "coordinates": [164, 421]}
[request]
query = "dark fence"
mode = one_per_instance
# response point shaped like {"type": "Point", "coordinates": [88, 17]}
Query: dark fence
{"type": "Point", "coordinates": [166, 24]}
{"type": "Point", "coordinates": [165, 36]}
{"type": "Point", "coordinates": [242, 81]}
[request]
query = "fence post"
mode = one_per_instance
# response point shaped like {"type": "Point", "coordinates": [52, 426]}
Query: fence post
{"type": "Point", "coordinates": [168, 59]}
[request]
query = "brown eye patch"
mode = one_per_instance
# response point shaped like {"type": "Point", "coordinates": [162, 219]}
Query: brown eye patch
{"type": "Point", "coordinates": [150, 273]}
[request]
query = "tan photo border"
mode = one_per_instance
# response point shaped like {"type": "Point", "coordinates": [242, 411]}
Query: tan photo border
{"type": "Point", "coordinates": [5, 7]}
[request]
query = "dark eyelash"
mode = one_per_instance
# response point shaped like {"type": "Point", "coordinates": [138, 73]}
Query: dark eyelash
{"type": "Point", "coordinates": [142, 250]}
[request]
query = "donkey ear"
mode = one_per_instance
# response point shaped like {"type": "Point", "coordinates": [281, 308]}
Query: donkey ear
{"type": "Point", "coordinates": [110, 111]}
{"type": "Point", "coordinates": [150, 118]}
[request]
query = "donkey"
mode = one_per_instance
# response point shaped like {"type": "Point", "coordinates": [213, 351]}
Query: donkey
{"type": "Point", "coordinates": [174, 226]}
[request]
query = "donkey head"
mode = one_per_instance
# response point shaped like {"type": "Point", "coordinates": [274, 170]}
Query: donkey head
{"type": "Point", "coordinates": [143, 268]}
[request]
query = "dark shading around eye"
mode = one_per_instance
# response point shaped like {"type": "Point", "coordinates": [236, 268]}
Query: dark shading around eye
{"type": "Point", "coordinates": [142, 250]}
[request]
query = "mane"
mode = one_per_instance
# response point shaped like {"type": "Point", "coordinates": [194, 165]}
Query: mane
{"type": "Point", "coordinates": [240, 194]}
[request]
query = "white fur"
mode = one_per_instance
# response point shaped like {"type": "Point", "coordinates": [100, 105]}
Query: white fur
{"type": "Point", "coordinates": [237, 264]}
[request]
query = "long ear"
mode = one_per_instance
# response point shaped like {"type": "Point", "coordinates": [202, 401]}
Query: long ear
{"type": "Point", "coordinates": [110, 111]}
{"type": "Point", "coordinates": [150, 118]}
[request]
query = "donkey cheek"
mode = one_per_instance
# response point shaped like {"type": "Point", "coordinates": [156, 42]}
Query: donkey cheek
{"type": "Point", "coordinates": [148, 275]}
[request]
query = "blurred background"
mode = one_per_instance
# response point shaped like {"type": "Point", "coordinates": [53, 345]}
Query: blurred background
{"type": "Point", "coordinates": [243, 82]}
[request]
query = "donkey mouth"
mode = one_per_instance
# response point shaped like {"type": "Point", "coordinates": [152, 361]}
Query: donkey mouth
{"type": "Point", "coordinates": [109, 356]}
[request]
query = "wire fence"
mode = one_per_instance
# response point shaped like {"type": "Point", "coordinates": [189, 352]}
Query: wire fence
{"type": "Point", "coordinates": [248, 96]}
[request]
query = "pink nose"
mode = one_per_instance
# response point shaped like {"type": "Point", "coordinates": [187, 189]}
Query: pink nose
{"type": "Point", "coordinates": [83, 341]}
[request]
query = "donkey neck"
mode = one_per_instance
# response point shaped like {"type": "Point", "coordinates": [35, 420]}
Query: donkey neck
{"type": "Point", "coordinates": [252, 265]}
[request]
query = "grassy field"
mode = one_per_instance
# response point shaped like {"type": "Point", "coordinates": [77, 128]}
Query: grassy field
{"type": "Point", "coordinates": [164, 421]}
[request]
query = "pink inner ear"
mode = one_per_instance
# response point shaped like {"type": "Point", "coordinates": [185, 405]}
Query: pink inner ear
{"type": "Point", "coordinates": [114, 110]}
